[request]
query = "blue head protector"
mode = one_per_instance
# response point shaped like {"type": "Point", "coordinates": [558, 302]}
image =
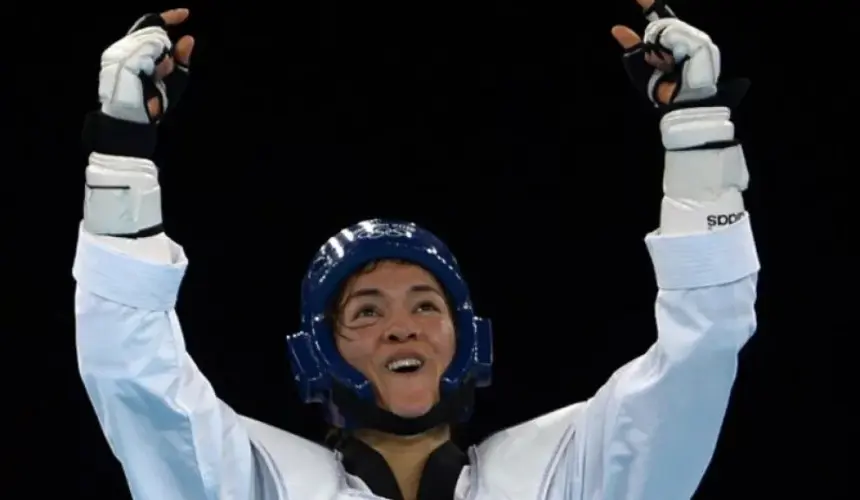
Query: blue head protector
{"type": "Point", "coordinates": [323, 376]}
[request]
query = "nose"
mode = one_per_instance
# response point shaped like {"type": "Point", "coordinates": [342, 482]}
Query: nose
{"type": "Point", "coordinates": [401, 334]}
{"type": "Point", "coordinates": [401, 327]}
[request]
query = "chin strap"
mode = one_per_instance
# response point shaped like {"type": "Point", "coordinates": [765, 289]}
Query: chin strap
{"type": "Point", "coordinates": [450, 409]}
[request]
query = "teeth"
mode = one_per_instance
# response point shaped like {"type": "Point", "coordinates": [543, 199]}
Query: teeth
{"type": "Point", "coordinates": [405, 363]}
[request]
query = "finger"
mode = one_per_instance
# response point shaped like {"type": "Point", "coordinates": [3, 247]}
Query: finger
{"type": "Point", "coordinates": [651, 59]}
{"type": "Point", "coordinates": [654, 11]}
{"type": "Point", "coordinates": [182, 50]}
{"type": "Point", "coordinates": [154, 106]}
{"type": "Point", "coordinates": [665, 91]}
{"type": "Point", "coordinates": [164, 68]}
{"type": "Point", "coordinates": [665, 59]}
{"type": "Point", "coordinates": [626, 37]}
{"type": "Point", "coordinates": [174, 16]}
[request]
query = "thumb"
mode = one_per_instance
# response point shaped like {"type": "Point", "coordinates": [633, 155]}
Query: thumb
{"type": "Point", "coordinates": [625, 37]}
{"type": "Point", "coordinates": [182, 50]}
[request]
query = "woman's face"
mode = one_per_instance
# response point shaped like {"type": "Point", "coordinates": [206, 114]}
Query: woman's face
{"type": "Point", "coordinates": [395, 327]}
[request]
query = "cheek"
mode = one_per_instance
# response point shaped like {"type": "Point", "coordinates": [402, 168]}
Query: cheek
{"type": "Point", "coordinates": [445, 341]}
{"type": "Point", "coordinates": [356, 350]}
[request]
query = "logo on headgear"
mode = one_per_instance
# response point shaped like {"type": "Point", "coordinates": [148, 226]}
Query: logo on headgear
{"type": "Point", "coordinates": [371, 230]}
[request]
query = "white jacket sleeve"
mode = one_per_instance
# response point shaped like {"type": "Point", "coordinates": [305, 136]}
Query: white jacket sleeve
{"type": "Point", "coordinates": [650, 432]}
{"type": "Point", "coordinates": [161, 417]}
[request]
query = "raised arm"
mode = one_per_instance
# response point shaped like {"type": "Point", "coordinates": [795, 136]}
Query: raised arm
{"type": "Point", "coordinates": [651, 430]}
{"type": "Point", "coordinates": [161, 417]}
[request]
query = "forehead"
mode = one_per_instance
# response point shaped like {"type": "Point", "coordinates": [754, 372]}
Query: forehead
{"type": "Point", "coordinates": [391, 276]}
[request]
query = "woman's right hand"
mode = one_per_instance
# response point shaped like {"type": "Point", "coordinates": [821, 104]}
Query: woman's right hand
{"type": "Point", "coordinates": [143, 74]}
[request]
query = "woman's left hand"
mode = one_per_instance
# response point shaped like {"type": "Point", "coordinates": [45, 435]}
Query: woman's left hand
{"type": "Point", "coordinates": [672, 62]}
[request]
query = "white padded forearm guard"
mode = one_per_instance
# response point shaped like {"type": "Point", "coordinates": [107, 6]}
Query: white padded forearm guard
{"type": "Point", "coordinates": [122, 197]}
{"type": "Point", "coordinates": [702, 185]}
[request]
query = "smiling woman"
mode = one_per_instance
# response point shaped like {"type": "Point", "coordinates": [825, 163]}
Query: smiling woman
{"type": "Point", "coordinates": [389, 338]}
{"type": "Point", "coordinates": [394, 356]}
{"type": "Point", "coordinates": [392, 322]}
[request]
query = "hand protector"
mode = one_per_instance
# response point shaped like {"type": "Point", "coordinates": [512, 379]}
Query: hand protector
{"type": "Point", "coordinates": [697, 61]}
{"type": "Point", "coordinates": [705, 171]}
{"type": "Point", "coordinates": [126, 80]}
{"type": "Point", "coordinates": [697, 64]}
{"type": "Point", "coordinates": [123, 197]}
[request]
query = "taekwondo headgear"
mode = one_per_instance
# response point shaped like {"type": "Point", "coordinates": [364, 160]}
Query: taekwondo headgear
{"type": "Point", "coordinates": [323, 376]}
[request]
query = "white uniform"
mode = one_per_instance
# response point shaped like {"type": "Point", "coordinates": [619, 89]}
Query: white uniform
{"type": "Point", "coordinates": [648, 433]}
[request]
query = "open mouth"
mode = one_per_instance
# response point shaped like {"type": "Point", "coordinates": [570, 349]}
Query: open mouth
{"type": "Point", "coordinates": [405, 365]}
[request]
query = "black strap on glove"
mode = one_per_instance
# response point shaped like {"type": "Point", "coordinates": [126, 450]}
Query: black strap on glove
{"type": "Point", "coordinates": [729, 93]}
{"type": "Point", "coordinates": [110, 136]}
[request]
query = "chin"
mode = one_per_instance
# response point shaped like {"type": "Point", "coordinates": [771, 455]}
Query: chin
{"type": "Point", "coordinates": [412, 408]}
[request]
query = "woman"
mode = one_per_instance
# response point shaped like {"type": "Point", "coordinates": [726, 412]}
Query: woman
{"type": "Point", "coordinates": [390, 344]}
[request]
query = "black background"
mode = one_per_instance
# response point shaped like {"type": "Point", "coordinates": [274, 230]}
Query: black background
{"type": "Point", "coordinates": [507, 128]}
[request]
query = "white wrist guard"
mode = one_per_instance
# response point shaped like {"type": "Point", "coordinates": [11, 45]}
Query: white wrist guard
{"type": "Point", "coordinates": [122, 197]}
{"type": "Point", "coordinates": [705, 171]}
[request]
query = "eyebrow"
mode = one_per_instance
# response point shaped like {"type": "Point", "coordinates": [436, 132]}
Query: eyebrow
{"type": "Point", "coordinates": [375, 292]}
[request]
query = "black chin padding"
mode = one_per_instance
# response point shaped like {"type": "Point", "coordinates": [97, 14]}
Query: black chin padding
{"type": "Point", "coordinates": [448, 410]}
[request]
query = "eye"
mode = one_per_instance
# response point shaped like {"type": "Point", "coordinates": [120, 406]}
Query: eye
{"type": "Point", "coordinates": [366, 312]}
{"type": "Point", "coordinates": [427, 306]}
